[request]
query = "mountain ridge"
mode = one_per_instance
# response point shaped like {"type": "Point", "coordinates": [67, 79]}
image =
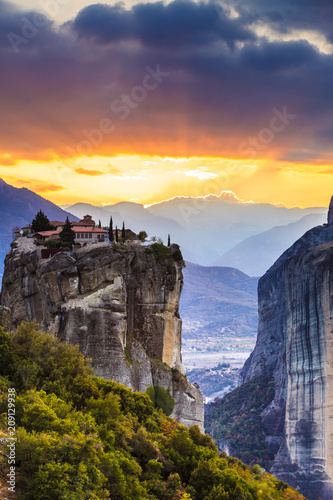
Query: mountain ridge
{"type": "Point", "coordinates": [215, 296]}
{"type": "Point", "coordinates": [255, 255]}
{"type": "Point", "coordinates": [205, 229]}
{"type": "Point", "coordinates": [18, 207]}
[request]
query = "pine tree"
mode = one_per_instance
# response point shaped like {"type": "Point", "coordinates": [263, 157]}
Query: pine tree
{"type": "Point", "coordinates": [123, 232]}
{"type": "Point", "coordinates": [99, 224]}
{"type": "Point", "coordinates": [117, 239]}
{"type": "Point", "coordinates": [169, 240]}
{"type": "Point", "coordinates": [41, 223]}
{"type": "Point", "coordinates": [111, 235]}
{"type": "Point", "coordinates": [67, 235]}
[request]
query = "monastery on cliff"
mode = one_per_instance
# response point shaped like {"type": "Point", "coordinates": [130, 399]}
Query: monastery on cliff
{"type": "Point", "coordinates": [85, 231]}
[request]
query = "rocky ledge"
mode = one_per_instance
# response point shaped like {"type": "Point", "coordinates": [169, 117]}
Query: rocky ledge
{"type": "Point", "coordinates": [120, 304]}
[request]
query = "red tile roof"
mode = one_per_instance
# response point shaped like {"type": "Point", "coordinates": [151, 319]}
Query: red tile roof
{"type": "Point", "coordinates": [89, 230]}
{"type": "Point", "coordinates": [83, 223]}
{"type": "Point", "coordinates": [48, 233]}
{"type": "Point", "coordinates": [57, 223]}
{"type": "Point", "coordinates": [80, 230]}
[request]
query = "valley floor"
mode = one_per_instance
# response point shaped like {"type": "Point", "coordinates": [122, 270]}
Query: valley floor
{"type": "Point", "coordinates": [214, 363]}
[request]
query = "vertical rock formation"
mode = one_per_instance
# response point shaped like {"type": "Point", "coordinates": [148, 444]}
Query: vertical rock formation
{"type": "Point", "coordinates": [119, 304]}
{"type": "Point", "coordinates": [295, 345]}
{"type": "Point", "coordinates": [330, 213]}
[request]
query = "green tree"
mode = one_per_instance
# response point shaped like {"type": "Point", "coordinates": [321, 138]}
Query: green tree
{"type": "Point", "coordinates": [67, 235]}
{"type": "Point", "coordinates": [6, 354]}
{"type": "Point", "coordinates": [161, 398]}
{"type": "Point", "coordinates": [99, 224]}
{"type": "Point", "coordinates": [123, 232]}
{"type": "Point", "coordinates": [111, 235]}
{"type": "Point", "coordinates": [169, 243]}
{"type": "Point", "coordinates": [41, 223]}
{"type": "Point", "coordinates": [142, 235]}
{"type": "Point", "coordinates": [117, 238]}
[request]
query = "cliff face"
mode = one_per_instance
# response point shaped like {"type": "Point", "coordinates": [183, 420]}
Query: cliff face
{"type": "Point", "coordinates": [120, 305]}
{"type": "Point", "coordinates": [294, 344]}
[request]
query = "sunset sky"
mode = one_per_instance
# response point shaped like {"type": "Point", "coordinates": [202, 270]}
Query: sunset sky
{"type": "Point", "coordinates": [146, 101]}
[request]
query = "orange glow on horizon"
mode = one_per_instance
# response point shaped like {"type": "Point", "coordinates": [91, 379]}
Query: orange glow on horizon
{"type": "Point", "coordinates": [151, 179]}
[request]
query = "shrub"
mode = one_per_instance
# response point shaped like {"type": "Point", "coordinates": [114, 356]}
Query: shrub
{"type": "Point", "coordinates": [161, 398]}
{"type": "Point", "coordinates": [161, 252]}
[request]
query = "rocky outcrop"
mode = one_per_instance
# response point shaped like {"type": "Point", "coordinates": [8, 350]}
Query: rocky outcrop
{"type": "Point", "coordinates": [295, 345]}
{"type": "Point", "coordinates": [119, 304]}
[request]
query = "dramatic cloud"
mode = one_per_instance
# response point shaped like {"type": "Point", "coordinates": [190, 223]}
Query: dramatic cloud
{"type": "Point", "coordinates": [38, 187]}
{"type": "Point", "coordinates": [287, 15]}
{"type": "Point", "coordinates": [172, 26]}
{"type": "Point", "coordinates": [84, 171]}
{"type": "Point", "coordinates": [180, 79]}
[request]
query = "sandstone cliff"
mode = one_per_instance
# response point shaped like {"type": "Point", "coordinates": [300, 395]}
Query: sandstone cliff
{"type": "Point", "coordinates": [295, 345]}
{"type": "Point", "coordinates": [119, 304]}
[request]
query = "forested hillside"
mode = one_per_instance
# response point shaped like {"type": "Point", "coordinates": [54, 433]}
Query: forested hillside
{"type": "Point", "coordinates": [83, 437]}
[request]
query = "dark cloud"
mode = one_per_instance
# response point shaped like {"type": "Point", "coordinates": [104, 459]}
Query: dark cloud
{"type": "Point", "coordinates": [221, 88]}
{"type": "Point", "coordinates": [272, 57]}
{"type": "Point", "coordinates": [173, 25]}
{"type": "Point", "coordinates": [20, 27]}
{"type": "Point", "coordinates": [287, 15]}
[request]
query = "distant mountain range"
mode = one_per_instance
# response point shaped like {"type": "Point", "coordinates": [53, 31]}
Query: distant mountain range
{"type": "Point", "coordinates": [217, 230]}
{"type": "Point", "coordinates": [18, 207]}
{"type": "Point", "coordinates": [206, 229]}
{"type": "Point", "coordinates": [219, 301]}
{"type": "Point", "coordinates": [258, 253]}
{"type": "Point", "coordinates": [249, 237]}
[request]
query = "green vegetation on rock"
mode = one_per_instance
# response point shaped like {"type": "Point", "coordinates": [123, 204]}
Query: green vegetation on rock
{"type": "Point", "coordinates": [160, 251]}
{"type": "Point", "coordinates": [83, 437]}
{"type": "Point", "coordinates": [236, 419]}
{"type": "Point", "coordinates": [161, 399]}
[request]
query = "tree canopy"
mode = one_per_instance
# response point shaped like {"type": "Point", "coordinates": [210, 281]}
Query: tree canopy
{"type": "Point", "coordinates": [41, 223]}
{"type": "Point", "coordinates": [67, 235]}
{"type": "Point", "coordinates": [84, 437]}
{"type": "Point", "coordinates": [142, 235]}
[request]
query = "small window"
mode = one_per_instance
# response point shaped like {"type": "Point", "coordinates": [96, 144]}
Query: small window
{"type": "Point", "coordinates": [86, 235]}
{"type": "Point", "coordinates": [90, 235]}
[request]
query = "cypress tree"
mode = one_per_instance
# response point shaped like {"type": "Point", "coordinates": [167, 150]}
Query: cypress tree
{"type": "Point", "coordinates": [123, 232]}
{"type": "Point", "coordinates": [169, 240]}
{"type": "Point", "coordinates": [99, 224]}
{"type": "Point", "coordinates": [117, 239]}
{"type": "Point", "coordinates": [111, 236]}
{"type": "Point", "coordinates": [67, 235]}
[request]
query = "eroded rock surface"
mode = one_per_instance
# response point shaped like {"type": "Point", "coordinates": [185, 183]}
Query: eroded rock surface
{"type": "Point", "coordinates": [119, 304]}
{"type": "Point", "coordinates": [295, 345]}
